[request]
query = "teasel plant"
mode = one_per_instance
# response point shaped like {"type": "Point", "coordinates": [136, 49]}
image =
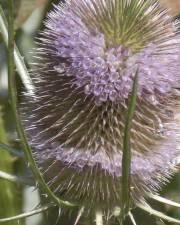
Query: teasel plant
{"type": "Point", "coordinates": [99, 124]}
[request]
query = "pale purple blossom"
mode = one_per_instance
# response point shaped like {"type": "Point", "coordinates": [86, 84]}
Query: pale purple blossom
{"type": "Point", "coordinates": [75, 119]}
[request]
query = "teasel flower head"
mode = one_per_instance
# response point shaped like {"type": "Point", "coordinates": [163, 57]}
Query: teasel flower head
{"type": "Point", "coordinates": [87, 58]}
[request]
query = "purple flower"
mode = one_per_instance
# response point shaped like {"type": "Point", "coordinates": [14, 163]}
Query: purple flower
{"type": "Point", "coordinates": [87, 58]}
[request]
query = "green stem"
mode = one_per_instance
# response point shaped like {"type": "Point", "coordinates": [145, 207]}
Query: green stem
{"type": "Point", "coordinates": [13, 99]}
{"type": "Point", "coordinates": [126, 158]}
{"type": "Point", "coordinates": [20, 65]}
{"type": "Point", "coordinates": [28, 214]}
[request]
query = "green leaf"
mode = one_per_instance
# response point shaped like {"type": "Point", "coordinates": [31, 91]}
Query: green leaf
{"type": "Point", "coordinates": [126, 158]}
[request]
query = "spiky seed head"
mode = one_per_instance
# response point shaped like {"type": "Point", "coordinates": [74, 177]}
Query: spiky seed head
{"type": "Point", "coordinates": [88, 55]}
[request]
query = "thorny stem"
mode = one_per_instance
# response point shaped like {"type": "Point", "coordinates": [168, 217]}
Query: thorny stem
{"type": "Point", "coordinates": [20, 65]}
{"type": "Point", "coordinates": [13, 100]}
{"type": "Point", "coordinates": [28, 214]}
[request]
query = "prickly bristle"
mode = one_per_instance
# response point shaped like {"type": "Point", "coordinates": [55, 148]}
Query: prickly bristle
{"type": "Point", "coordinates": [86, 61]}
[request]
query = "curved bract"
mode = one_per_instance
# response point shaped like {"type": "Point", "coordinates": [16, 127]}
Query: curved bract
{"type": "Point", "coordinates": [87, 58]}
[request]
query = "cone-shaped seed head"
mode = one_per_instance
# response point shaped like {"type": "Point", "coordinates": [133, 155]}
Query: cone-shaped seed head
{"type": "Point", "coordinates": [88, 55]}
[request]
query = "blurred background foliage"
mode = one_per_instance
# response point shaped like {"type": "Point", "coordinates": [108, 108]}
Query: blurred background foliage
{"type": "Point", "coordinates": [16, 198]}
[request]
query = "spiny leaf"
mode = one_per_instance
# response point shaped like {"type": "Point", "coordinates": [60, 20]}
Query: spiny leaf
{"type": "Point", "coordinates": [126, 159]}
